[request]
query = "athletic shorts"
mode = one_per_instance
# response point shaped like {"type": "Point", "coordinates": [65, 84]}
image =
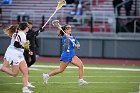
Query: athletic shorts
{"type": "Point", "coordinates": [14, 57]}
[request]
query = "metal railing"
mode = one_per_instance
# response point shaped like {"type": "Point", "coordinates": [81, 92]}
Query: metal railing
{"type": "Point", "coordinates": [121, 18]}
{"type": "Point", "coordinates": [121, 4]}
{"type": "Point", "coordinates": [132, 18]}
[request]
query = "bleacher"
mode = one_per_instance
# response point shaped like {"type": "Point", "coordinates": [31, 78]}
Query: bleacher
{"type": "Point", "coordinates": [103, 14]}
{"type": "Point", "coordinates": [35, 9]}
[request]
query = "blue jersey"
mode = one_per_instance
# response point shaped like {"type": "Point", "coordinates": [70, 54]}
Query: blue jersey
{"type": "Point", "coordinates": [69, 48]}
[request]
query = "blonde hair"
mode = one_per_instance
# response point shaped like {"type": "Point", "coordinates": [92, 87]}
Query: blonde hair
{"type": "Point", "coordinates": [9, 31]}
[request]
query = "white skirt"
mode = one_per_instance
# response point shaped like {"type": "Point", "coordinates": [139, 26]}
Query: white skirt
{"type": "Point", "coordinates": [14, 56]}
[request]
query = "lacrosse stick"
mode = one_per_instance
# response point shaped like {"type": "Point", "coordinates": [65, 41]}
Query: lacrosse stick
{"type": "Point", "coordinates": [56, 24]}
{"type": "Point", "coordinates": [59, 6]}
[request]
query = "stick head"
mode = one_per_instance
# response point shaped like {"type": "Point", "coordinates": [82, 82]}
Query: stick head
{"type": "Point", "coordinates": [60, 4]}
{"type": "Point", "coordinates": [56, 23]}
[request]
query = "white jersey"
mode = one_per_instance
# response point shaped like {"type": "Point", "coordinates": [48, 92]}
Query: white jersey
{"type": "Point", "coordinates": [15, 55]}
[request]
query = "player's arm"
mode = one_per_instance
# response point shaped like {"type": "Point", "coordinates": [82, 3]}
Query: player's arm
{"type": "Point", "coordinates": [17, 42]}
{"type": "Point", "coordinates": [30, 34]}
{"type": "Point", "coordinates": [66, 41]}
{"type": "Point", "coordinates": [38, 31]}
{"type": "Point", "coordinates": [25, 46]}
{"type": "Point", "coordinates": [77, 44]}
{"type": "Point", "coordinates": [17, 45]}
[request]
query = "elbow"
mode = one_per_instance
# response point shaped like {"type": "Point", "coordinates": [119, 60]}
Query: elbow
{"type": "Point", "coordinates": [17, 44]}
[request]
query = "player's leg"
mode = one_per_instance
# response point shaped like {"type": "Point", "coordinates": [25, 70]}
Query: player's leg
{"type": "Point", "coordinates": [24, 70]}
{"type": "Point", "coordinates": [6, 64]}
{"type": "Point", "coordinates": [62, 67]}
{"type": "Point", "coordinates": [33, 59]}
{"type": "Point", "coordinates": [27, 57]}
{"type": "Point", "coordinates": [6, 69]}
{"type": "Point", "coordinates": [77, 62]}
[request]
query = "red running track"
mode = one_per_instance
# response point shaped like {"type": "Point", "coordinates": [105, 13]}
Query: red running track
{"type": "Point", "coordinates": [95, 61]}
{"type": "Point", "coordinates": [92, 60]}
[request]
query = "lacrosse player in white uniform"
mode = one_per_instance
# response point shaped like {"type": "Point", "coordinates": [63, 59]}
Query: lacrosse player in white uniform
{"type": "Point", "coordinates": [14, 54]}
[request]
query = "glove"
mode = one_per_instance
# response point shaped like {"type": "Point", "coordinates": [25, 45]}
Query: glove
{"type": "Point", "coordinates": [41, 29]}
{"type": "Point", "coordinates": [26, 45]}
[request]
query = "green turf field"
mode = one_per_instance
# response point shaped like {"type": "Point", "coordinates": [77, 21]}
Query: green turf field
{"type": "Point", "coordinates": [101, 78]}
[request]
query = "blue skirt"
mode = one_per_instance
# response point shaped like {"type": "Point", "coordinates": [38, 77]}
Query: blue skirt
{"type": "Point", "coordinates": [67, 56]}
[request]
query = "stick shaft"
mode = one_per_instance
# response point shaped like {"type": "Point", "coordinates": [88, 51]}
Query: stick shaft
{"type": "Point", "coordinates": [49, 19]}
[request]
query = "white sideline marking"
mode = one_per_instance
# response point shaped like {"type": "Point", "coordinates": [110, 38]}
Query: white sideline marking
{"type": "Point", "coordinates": [90, 68]}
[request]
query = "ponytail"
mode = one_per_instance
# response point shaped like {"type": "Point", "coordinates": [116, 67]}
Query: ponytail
{"type": "Point", "coordinates": [9, 31]}
{"type": "Point", "coordinates": [61, 33]}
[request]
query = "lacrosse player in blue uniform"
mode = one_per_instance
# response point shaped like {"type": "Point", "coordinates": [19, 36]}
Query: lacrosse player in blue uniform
{"type": "Point", "coordinates": [68, 55]}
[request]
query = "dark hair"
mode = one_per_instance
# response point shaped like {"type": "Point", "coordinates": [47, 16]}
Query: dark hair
{"type": "Point", "coordinates": [23, 25]}
{"type": "Point", "coordinates": [61, 33]}
{"type": "Point", "coordinates": [11, 30]}
{"type": "Point", "coordinates": [29, 22]}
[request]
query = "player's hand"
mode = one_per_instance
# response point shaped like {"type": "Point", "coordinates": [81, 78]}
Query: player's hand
{"type": "Point", "coordinates": [41, 29]}
{"type": "Point", "coordinates": [77, 45]}
{"type": "Point", "coordinates": [30, 53]}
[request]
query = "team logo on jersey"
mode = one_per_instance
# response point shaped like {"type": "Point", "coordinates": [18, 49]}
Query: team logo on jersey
{"type": "Point", "coordinates": [16, 63]}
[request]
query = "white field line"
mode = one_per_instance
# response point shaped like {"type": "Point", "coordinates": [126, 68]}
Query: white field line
{"type": "Point", "coordinates": [75, 83]}
{"type": "Point", "coordinates": [33, 68]}
{"type": "Point", "coordinates": [78, 76]}
{"type": "Point", "coordinates": [90, 68]}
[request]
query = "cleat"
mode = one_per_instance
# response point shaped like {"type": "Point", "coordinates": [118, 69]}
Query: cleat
{"type": "Point", "coordinates": [30, 85]}
{"type": "Point", "coordinates": [45, 78]}
{"type": "Point", "coordinates": [26, 90]}
{"type": "Point", "coordinates": [82, 82]}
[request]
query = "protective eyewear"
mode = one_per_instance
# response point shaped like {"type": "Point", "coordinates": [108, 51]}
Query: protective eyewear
{"type": "Point", "coordinates": [67, 28]}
